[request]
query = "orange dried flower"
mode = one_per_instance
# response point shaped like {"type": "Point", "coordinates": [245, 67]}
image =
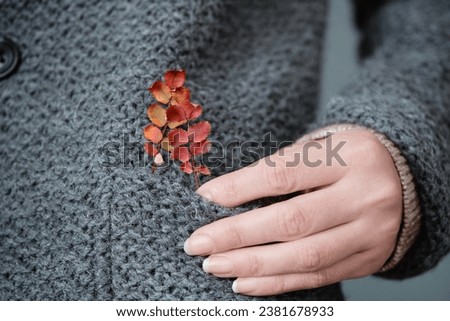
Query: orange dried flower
{"type": "Point", "coordinates": [166, 133]}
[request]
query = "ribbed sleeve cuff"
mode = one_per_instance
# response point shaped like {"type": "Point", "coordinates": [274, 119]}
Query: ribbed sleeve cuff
{"type": "Point", "coordinates": [410, 225]}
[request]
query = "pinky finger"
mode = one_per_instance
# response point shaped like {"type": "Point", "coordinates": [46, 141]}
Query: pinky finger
{"type": "Point", "coordinates": [349, 268]}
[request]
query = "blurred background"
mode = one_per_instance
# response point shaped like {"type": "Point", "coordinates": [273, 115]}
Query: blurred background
{"type": "Point", "coordinates": [340, 65]}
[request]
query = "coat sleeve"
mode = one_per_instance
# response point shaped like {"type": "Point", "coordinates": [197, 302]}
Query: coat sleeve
{"type": "Point", "coordinates": [403, 92]}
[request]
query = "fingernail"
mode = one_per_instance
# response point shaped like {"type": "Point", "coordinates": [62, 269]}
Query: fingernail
{"type": "Point", "coordinates": [234, 287]}
{"type": "Point", "coordinates": [198, 245]}
{"type": "Point", "coordinates": [205, 194]}
{"type": "Point", "coordinates": [244, 286]}
{"type": "Point", "coordinates": [217, 265]}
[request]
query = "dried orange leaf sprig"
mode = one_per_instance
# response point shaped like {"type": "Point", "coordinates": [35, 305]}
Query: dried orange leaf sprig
{"type": "Point", "coordinates": [172, 129]}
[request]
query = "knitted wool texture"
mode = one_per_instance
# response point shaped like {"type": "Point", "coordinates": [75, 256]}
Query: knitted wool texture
{"type": "Point", "coordinates": [76, 225]}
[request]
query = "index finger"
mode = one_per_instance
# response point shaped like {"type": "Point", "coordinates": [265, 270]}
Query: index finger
{"type": "Point", "coordinates": [289, 220]}
{"type": "Point", "coordinates": [293, 168]}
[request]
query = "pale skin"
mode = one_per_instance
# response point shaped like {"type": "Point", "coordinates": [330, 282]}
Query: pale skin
{"type": "Point", "coordinates": [345, 226]}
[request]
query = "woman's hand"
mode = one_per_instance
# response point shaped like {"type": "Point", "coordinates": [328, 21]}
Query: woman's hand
{"type": "Point", "coordinates": [344, 227]}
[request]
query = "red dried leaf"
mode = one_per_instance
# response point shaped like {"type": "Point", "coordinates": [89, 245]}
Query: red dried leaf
{"type": "Point", "coordinates": [178, 137]}
{"type": "Point", "coordinates": [181, 153]}
{"type": "Point", "coordinates": [153, 133]}
{"type": "Point", "coordinates": [176, 113]}
{"type": "Point", "coordinates": [161, 92]}
{"type": "Point", "coordinates": [202, 169]}
{"type": "Point", "coordinates": [180, 95]}
{"type": "Point", "coordinates": [200, 148]}
{"type": "Point", "coordinates": [158, 160]}
{"type": "Point", "coordinates": [175, 116]}
{"type": "Point", "coordinates": [199, 131]}
{"type": "Point", "coordinates": [166, 145]}
{"type": "Point", "coordinates": [187, 108]}
{"type": "Point", "coordinates": [175, 124]}
{"type": "Point", "coordinates": [186, 167]}
{"type": "Point", "coordinates": [150, 149]}
{"type": "Point", "coordinates": [175, 78]}
{"type": "Point", "coordinates": [191, 110]}
{"type": "Point", "coordinates": [157, 115]}
{"type": "Point", "coordinates": [196, 112]}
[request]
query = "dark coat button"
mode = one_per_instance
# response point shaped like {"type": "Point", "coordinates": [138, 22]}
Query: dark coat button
{"type": "Point", "coordinates": [9, 57]}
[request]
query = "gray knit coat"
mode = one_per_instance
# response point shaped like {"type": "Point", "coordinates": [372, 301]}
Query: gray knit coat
{"type": "Point", "coordinates": [82, 217]}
